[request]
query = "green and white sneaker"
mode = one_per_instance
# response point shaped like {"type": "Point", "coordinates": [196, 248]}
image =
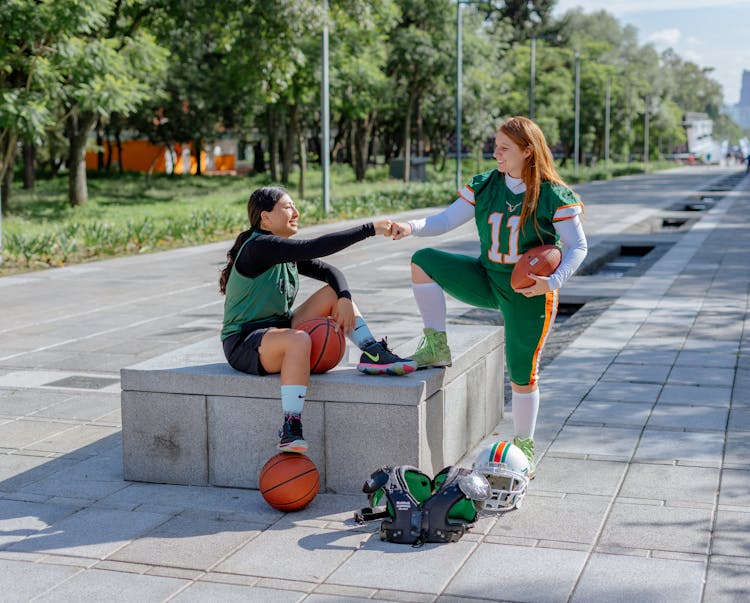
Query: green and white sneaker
{"type": "Point", "coordinates": [527, 447]}
{"type": "Point", "coordinates": [433, 350]}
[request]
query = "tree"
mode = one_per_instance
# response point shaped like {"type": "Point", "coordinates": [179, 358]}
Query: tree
{"type": "Point", "coordinates": [419, 56]}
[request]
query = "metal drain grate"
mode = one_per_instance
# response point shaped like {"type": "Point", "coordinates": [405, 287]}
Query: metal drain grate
{"type": "Point", "coordinates": [83, 382]}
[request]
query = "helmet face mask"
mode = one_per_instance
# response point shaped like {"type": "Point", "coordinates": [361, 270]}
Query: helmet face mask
{"type": "Point", "coordinates": [506, 468]}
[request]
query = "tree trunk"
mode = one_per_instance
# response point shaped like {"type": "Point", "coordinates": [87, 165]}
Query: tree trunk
{"type": "Point", "coordinates": [259, 162]}
{"type": "Point", "coordinates": [118, 144]}
{"type": "Point", "coordinates": [362, 133]}
{"type": "Point", "coordinates": [290, 135]}
{"type": "Point", "coordinates": [197, 146]}
{"type": "Point", "coordinates": [420, 141]}
{"type": "Point", "coordinates": [407, 139]}
{"type": "Point", "coordinates": [29, 166]}
{"type": "Point", "coordinates": [10, 161]}
{"type": "Point", "coordinates": [99, 147]}
{"type": "Point", "coordinates": [302, 164]}
{"type": "Point", "coordinates": [79, 128]}
{"type": "Point", "coordinates": [273, 144]}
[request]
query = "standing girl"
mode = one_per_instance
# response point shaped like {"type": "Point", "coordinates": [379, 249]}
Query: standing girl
{"type": "Point", "coordinates": [522, 204]}
{"type": "Point", "coordinates": [261, 280]}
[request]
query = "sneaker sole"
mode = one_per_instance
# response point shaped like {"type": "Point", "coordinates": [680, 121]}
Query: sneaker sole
{"type": "Point", "coordinates": [296, 446]}
{"type": "Point", "coordinates": [435, 365]}
{"type": "Point", "coordinates": [398, 369]}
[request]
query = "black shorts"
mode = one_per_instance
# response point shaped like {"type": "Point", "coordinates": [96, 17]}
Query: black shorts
{"type": "Point", "coordinates": [241, 350]}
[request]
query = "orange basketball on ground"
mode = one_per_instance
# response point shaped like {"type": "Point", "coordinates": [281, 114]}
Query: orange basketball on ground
{"type": "Point", "coordinates": [289, 481]}
{"type": "Point", "coordinates": [328, 345]}
{"type": "Point", "coordinates": [542, 261]}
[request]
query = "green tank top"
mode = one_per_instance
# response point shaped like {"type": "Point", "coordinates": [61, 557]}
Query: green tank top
{"type": "Point", "coordinates": [264, 299]}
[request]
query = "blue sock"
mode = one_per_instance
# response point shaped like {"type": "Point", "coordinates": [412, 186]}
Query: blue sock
{"type": "Point", "coordinates": [360, 335]}
{"type": "Point", "coordinates": [293, 398]}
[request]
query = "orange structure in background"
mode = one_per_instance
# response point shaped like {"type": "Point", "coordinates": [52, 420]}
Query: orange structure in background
{"type": "Point", "coordinates": [139, 155]}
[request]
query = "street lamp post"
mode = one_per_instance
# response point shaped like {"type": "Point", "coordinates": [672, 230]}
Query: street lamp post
{"type": "Point", "coordinates": [532, 77]}
{"type": "Point", "coordinates": [576, 133]}
{"type": "Point", "coordinates": [645, 132]}
{"type": "Point", "coordinates": [325, 118]}
{"type": "Point", "coordinates": [606, 122]}
{"type": "Point", "coordinates": [459, 77]}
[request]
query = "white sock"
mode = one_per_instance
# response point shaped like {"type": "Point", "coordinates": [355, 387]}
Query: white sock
{"type": "Point", "coordinates": [293, 399]}
{"type": "Point", "coordinates": [431, 303]}
{"type": "Point", "coordinates": [525, 408]}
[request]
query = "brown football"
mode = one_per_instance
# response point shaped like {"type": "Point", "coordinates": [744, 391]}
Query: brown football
{"type": "Point", "coordinates": [542, 261]}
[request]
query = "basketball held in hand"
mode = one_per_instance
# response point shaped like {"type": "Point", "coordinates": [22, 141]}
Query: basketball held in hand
{"type": "Point", "coordinates": [289, 481]}
{"type": "Point", "coordinates": [542, 261]}
{"type": "Point", "coordinates": [328, 344]}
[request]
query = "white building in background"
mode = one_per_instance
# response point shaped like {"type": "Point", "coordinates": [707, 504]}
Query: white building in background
{"type": "Point", "coordinates": [742, 109]}
{"type": "Point", "coordinates": [700, 142]}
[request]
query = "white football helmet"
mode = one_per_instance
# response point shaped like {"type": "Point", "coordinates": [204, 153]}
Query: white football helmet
{"type": "Point", "coordinates": [506, 468]}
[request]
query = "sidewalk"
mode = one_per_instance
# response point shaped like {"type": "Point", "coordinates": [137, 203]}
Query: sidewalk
{"type": "Point", "coordinates": [643, 488]}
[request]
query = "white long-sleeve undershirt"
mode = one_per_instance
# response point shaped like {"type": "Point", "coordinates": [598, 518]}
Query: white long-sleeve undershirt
{"type": "Point", "coordinates": [572, 237]}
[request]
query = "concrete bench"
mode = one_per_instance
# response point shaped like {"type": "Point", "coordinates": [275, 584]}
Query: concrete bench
{"type": "Point", "coordinates": [189, 418]}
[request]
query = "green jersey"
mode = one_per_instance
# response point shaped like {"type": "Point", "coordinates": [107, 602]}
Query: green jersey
{"type": "Point", "coordinates": [497, 212]}
{"type": "Point", "coordinates": [265, 299]}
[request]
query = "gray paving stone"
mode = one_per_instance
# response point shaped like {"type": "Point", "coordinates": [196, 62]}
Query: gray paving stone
{"type": "Point", "coordinates": [605, 391]}
{"type": "Point", "coordinates": [685, 447]}
{"type": "Point", "coordinates": [22, 581]}
{"type": "Point", "coordinates": [200, 592]}
{"type": "Point", "coordinates": [528, 574]}
{"type": "Point", "coordinates": [711, 346]}
{"type": "Point", "coordinates": [577, 476]}
{"type": "Point", "coordinates": [19, 470]}
{"type": "Point", "coordinates": [623, 579]}
{"type": "Point", "coordinates": [739, 419]}
{"type": "Point", "coordinates": [82, 407]}
{"type": "Point", "coordinates": [76, 437]}
{"type": "Point", "coordinates": [102, 585]}
{"type": "Point", "coordinates": [737, 453]}
{"type": "Point", "coordinates": [25, 433]}
{"type": "Point", "coordinates": [735, 488]}
{"type": "Point", "coordinates": [316, 553]}
{"type": "Point", "coordinates": [702, 359]}
{"type": "Point", "coordinates": [639, 373]}
{"type": "Point", "coordinates": [635, 355]}
{"type": "Point", "coordinates": [572, 518]}
{"type": "Point", "coordinates": [693, 375]}
{"type": "Point", "coordinates": [91, 533]}
{"type": "Point", "coordinates": [19, 519]}
{"type": "Point", "coordinates": [704, 418]}
{"type": "Point", "coordinates": [618, 443]}
{"type": "Point", "coordinates": [216, 500]}
{"type": "Point", "coordinates": [25, 402]}
{"type": "Point", "coordinates": [727, 583]}
{"type": "Point", "coordinates": [732, 534]}
{"type": "Point", "coordinates": [612, 413]}
{"type": "Point", "coordinates": [670, 483]}
{"type": "Point", "coordinates": [426, 569]}
{"type": "Point", "coordinates": [704, 395]}
{"type": "Point", "coordinates": [662, 528]}
{"type": "Point", "coordinates": [188, 542]}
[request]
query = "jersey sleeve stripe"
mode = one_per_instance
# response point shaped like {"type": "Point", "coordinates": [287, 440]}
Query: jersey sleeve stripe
{"type": "Point", "coordinates": [567, 211]}
{"type": "Point", "coordinates": [467, 194]}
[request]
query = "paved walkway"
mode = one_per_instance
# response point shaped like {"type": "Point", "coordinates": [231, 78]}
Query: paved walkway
{"type": "Point", "coordinates": [643, 491]}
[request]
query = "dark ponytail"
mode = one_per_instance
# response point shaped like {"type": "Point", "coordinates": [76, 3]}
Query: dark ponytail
{"type": "Point", "coordinates": [262, 199]}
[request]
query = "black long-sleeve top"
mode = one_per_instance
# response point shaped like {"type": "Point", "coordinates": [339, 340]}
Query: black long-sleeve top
{"type": "Point", "coordinates": [259, 254]}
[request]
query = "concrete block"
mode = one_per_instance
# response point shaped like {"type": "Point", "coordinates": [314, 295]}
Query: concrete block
{"type": "Point", "coordinates": [166, 438]}
{"type": "Point", "coordinates": [360, 438]}
{"type": "Point", "coordinates": [242, 436]}
{"type": "Point", "coordinates": [189, 418]}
